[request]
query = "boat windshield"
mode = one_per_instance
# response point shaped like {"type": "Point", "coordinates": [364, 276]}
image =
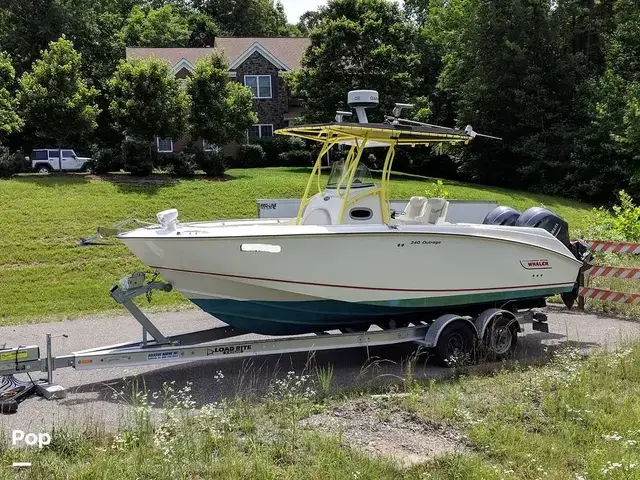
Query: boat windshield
{"type": "Point", "coordinates": [361, 178]}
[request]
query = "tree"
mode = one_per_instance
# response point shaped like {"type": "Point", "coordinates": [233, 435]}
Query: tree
{"type": "Point", "coordinates": [159, 27]}
{"type": "Point", "coordinates": [55, 100]}
{"type": "Point", "coordinates": [221, 110]}
{"type": "Point", "coordinates": [10, 121]}
{"type": "Point", "coordinates": [357, 44]}
{"type": "Point", "coordinates": [248, 18]}
{"type": "Point", "coordinates": [204, 30]}
{"type": "Point", "coordinates": [146, 100]}
{"type": "Point", "coordinates": [506, 78]}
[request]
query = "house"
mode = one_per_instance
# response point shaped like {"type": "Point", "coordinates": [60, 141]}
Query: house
{"type": "Point", "coordinates": [257, 62]}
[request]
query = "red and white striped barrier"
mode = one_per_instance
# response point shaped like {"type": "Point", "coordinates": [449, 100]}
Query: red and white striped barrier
{"type": "Point", "coordinates": [615, 247]}
{"type": "Point", "coordinates": [610, 272]}
{"type": "Point", "coordinates": [609, 296]}
{"type": "Point", "coordinates": [615, 272]}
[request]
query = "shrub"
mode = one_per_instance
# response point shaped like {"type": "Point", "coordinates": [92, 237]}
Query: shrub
{"type": "Point", "coordinates": [104, 160]}
{"type": "Point", "coordinates": [250, 156]}
{"type": "Point", "coordinates": [137, 157]}
{"type": "Point", "coordinates": [274, 146]}
{"type": "Point", "coordinates": [375, 159]}
{"type": "Point", "coordinates": [181, 165]}
{"type": "Point", "coordinates": [10, 163]}
{"type": "Point", "coordinates": [295, 158]}
{"type": "Point", "coordinates": [213, 163]}
{"type": "Point", "coordinates": [623, 224]}
{"type": "Point", "coordinates": [427, 162]}
{"type": "Point", "coordinates": [437, 190]}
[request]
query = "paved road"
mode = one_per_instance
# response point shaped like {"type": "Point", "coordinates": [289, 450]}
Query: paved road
{"type": "Point", "coordinates": [91, 392]}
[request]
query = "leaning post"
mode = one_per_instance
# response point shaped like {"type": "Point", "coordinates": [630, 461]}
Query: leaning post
{"type": "Point", "coordinates": [580, 285]}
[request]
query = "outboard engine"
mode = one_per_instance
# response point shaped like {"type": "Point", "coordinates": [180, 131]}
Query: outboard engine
{"type": "Point", "coordinates": [502, 216]}
{"type": "Point", "coordinates": [542, 218]}
{"type": "Point", "coordinates": [556, 225]}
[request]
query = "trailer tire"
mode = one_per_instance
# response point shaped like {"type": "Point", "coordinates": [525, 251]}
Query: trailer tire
{"type": "Point", "coordinates": [500, 338]}
{"type": "Point", "coordinates": [456, 339]}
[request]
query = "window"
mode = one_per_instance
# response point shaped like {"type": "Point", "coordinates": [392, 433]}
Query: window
{"type": "Point", "coordinates": [67, 154]}
{"type": "Point", "coordinates": [40, 155]}
{"type": "Point", "coordinates": [260, 85]}
{"type": "Point", "coordinates": [54, 154]}
{"type": "Point", "coordinates": [256, 132]}
{"type": "Point", "coordinates": [361, 213]}
{"type": "Point", "coordinates": [207, 147]}
{"type": "Point", "coordinates": [266, 131]}
{"type": "Point", "coordinates": [165, 144]}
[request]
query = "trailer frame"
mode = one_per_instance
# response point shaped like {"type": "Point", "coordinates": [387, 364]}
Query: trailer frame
{"type": "Point", "coordinates": [206, 345]}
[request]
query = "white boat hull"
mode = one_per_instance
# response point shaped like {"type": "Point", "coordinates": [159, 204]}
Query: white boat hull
{"type": "Point", "coordinates": [326, 276]}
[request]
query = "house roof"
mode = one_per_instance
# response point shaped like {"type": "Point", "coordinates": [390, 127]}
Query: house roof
{"type": "Point", "coordinates": [172, 55]}
{"type": "Point", "coordinates": [286, 50]}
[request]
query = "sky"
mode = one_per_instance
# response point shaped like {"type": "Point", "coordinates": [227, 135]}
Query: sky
{"type": "Point", "coordinates": [295, 8]}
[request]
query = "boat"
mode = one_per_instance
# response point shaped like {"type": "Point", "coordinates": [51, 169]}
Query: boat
{"type": "Point", "coordinates": [347, 261]}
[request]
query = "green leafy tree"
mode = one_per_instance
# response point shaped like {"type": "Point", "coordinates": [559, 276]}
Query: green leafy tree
{"type": "Point", "coordinates": [249, 18]}
{"type": "Point", "coordinates": [159, 27]}
{"type": "Point", "coordinates": [606, 154]}
{"type": "Point", "coordinates": [505, 77]}
{"type": "Point", "coordinates": [221, 110]}
{"type": "Point", "coordinates": [55, 100]}
{"type": "Point", "coordinates": [357, 44]}
{"type": "Point", "coordinates": [146, 100]}
{"type": "Point", "coordinates": [10, 121]}
{"type": "Point", "coordinates": [27, 27]}
{"type": "Point", "coordinates": [204, 30]}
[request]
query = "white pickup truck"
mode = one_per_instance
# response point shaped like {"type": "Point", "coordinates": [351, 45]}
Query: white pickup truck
{"type": "Point", "coordinates": [48, 160]}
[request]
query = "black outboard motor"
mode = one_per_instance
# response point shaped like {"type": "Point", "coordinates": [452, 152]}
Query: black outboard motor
{"type": "Point", "coordinates": [542, 218]}
{"type": "Point", "coordinates": [502, 216]}
{"type": "Point", "coordinates": [556, 225]}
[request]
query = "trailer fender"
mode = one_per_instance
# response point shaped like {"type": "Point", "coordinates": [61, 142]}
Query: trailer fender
{"type": "Point", "coordinates": [436, 328]}
{"type": "Point", "coordinates": [486, 317]}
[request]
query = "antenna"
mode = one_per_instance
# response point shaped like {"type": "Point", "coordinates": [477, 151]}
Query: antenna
{"type": "Point", "coordinates": [340, 114]}
{"type": "Point", "coordinates": [397, 111]}
{"type": "Point", "coordinates": [469, 131]}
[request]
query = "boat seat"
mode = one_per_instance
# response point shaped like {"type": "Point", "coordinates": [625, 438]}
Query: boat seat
{"type": "Point", "coordinates": [434, 211]}
{"type": "Point", "coordinates": [413, 209]}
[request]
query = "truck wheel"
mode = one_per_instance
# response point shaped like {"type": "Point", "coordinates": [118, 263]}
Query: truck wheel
{"type": "Point", "coordinates": [501, 338]}
{"type": "Point", "coordinates": [455, 341]}
{"type": "Point", "coordinates": [43, 169]}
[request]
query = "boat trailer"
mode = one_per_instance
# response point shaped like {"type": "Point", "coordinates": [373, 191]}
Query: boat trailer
{"type": "Point", "coordinates": [198, 345]}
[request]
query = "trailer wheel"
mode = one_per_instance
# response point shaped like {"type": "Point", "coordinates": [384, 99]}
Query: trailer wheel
{"type": "Point", "coordinates": [501, 337]}
{"type": "Point", "coordinates": [455, 341]}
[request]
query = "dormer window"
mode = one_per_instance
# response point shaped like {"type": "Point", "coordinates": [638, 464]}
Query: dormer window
{"type": "Point", "coordinates": [260, 85]}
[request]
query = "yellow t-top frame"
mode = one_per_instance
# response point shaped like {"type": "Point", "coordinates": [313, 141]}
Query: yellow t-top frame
{"type": "Point", "coordinates": [359, 137]}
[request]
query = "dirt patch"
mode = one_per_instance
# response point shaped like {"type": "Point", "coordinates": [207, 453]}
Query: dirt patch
{"type": "Point", "coordinates": [378, 430]}
{"type": "Point", "coordinates": [131, 180]}
{"type": "Point", "coordinates": [154, 179]}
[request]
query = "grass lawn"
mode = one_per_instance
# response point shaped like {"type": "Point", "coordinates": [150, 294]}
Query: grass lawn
{"type": "Point", "coordinates": [44, 276]}
{"type": "Point", "coordinates": [573, 418]}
